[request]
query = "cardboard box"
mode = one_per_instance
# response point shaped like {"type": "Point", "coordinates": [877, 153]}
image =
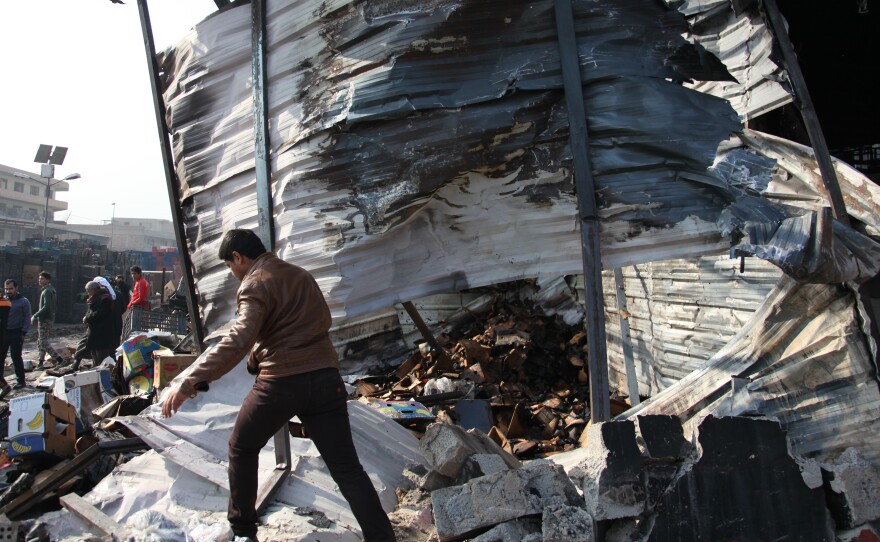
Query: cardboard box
{"type": "Point", "coordinates": [86, 391]}
{"type": "Point", "coordinates": [41, 423]}
{"type": "Point", "coordinates": [167, 365]}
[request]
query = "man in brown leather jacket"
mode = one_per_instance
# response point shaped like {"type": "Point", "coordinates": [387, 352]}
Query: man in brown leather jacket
{"type": "Point", "coordinates": [282, 327]}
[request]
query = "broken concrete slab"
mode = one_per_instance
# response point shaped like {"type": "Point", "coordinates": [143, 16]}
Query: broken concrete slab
{"type": "Point", "coordinates": [462, 511]}
{"type": "Point", "coordinates": [852, 489]}
{"type": "Point", "coordinates": [611, 471]}
{"type": "Point", "coordinates": [661, 437]}
{"type": "Point", "coordinates": [425, 479]}
{"type": "Point", "coordinates": [447, 447]}
{"type": "Point", "coordinates": [744, 486]}
{"type": "Point", "coordinates": [517, 530]}
{"type": "Point", "coordinates": [566, 524]}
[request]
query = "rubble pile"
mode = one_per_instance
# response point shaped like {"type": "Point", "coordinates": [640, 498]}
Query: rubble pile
{"type": "Point", "coordinates": [515, 373]}
{"type": "Point", "coordinates": [637, 480]}
{"type": "Point", "coordinates": [60, 438]}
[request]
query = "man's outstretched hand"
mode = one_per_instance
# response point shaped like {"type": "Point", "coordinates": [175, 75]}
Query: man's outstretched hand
{"type": "Point", "coordinates": [173, 402]}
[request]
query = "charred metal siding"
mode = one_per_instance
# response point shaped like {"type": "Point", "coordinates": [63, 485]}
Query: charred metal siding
{"type": "Point", "coordinates": [422, 148]}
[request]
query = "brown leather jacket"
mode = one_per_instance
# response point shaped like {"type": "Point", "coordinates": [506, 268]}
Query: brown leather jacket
{"type": "Point", "coordinates": [282, 323]}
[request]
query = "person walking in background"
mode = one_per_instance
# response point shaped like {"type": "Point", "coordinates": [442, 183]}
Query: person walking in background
{"type": "Point", "coordinates": [17, 326]}
{"type": "Point", "coordinates": [140, 296]}
{"type": "Point", "coordinates": [123, 292]}
{"type": "Point", "coordinates": [5, 306]}
{"type": "Point", "coordinates": [45, 320]}
{"type": "Point", "coordinates": [117, 308]}
{"type": "Point", "coordinates": [102, 340]}
{"type": "Point", "coordinates": [120, 306]}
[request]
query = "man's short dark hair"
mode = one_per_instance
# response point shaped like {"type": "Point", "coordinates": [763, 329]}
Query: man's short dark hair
{"type": "Point", "coordinates": [46, 275]}
{"type": "Point", "coordinates": [12, 282]}
{"type": "Point", "coordinates": [136, 269]}
{"type": "Point", "coordinates": [245, 242]}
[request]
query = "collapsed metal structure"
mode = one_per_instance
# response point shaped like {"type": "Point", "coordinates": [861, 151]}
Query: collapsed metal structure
{"type": "Point", "coordinates": [402, 149]}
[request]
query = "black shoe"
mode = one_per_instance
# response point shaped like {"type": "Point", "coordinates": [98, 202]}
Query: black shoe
{"type": "Point", "coordinates": [18, 386]}
{"type": "Point", "coordinates": [5, 390]}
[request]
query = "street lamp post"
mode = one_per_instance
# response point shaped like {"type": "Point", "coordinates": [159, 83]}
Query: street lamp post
{"type": "Point", "coordinates": [49, 185]}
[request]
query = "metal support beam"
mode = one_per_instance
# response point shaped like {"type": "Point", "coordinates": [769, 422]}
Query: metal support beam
{"type": "Point", "coordinates": [265, 220]}
{"type": "Point", "coordinates": [283, 464]}
{"type": "Point", "coordinates": [805, 104]}
{"type": "Point", "coordinates": [632, 383]}
{"type": "Point", "coordinates": [600, 404]}
{"type": "Point", "coordinates": [171, 180]}
{"type": "Point", "coordinates": [420, 324]}
{"type": "Point", "coordinates": [823, 157]}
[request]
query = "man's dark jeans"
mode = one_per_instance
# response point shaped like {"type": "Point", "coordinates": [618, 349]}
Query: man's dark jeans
{"type": "Point", "coordinates": [318, 399]}
{"type": "Point", "coordinates": [13, 345]}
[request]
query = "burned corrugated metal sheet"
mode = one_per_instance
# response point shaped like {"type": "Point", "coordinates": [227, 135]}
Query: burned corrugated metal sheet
{"type": "Point", "coordinates": [681, 312]}
{"type": "Point", "coordinates": [422, 147]}
{"type": "Point", "coordinates": [802, 359]}
{"type": "Point", "coordinates": [736, 33]}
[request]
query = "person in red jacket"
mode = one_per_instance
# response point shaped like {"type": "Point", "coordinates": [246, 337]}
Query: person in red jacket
{"type": "Point", "coordinates": [140, 294]}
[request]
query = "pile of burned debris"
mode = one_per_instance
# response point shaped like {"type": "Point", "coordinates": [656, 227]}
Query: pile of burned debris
{"type": "Point", "coordinates": [59, 435]}
{"type": "Point", "coordinates": [513, 372]}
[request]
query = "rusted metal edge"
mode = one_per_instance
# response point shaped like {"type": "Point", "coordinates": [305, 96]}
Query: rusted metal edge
{"type": "Point", "coordinates": [171, 179]}
{"type": "Point", "coordinates": [35, 494]}
{"type": "Point", "coordinates": [600, 405]}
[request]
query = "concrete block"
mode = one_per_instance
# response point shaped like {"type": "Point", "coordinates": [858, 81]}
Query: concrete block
{"type": "Point", "coordinates": [518, 530]}
{"type": "Point", "coordinates": [478, 465]}
{"type": "Point", "coordinates": [566, 524]}
{"type": "Point", "coordinates": [853, 489]}
{"type": "Point", "coordinates": [447, 447]}
{"type": "Point", "coordinates": [419, 476]}
{"type": "Point", "coordinates": [489, 463]}
{"type": "Point", "coordinates": [662, 437]}
{"type": "Point", "coordinates": [612, 471]}
{"type": "Point", "coordinates": [483, 502]}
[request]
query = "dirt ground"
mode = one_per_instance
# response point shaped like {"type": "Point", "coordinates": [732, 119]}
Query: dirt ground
{"type": "Point", "coordinates": [64, 339]}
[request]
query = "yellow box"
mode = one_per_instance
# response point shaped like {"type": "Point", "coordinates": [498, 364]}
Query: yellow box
{"type": "Point", "coordinates": [167, 365]}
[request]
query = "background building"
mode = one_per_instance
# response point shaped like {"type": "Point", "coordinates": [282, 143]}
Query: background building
{"type": "Point", "coordinates": [142, 234]}
{"type": "Point", "coordinates": [23, 203]}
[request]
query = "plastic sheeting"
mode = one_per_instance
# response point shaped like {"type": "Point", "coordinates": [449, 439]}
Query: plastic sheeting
{"type": "Point", "coordinates": [185, 475]}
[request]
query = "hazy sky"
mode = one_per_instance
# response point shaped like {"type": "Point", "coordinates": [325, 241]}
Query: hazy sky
{"type": "Point", "coordinates": [73, 73]}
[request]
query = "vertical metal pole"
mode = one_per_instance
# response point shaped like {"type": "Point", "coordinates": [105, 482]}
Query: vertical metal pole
{"type": "Point", "coordinates": [265, 222]}
{"type": "Point", "coordinates": [823, 156]}
{"type": "Point", "coordinates": [171, 176]}
{"type": "Point", "coordinates": [632, 383]}
{"type": "Point", "coordinates": [600, 404]}
{"type": "Point", "coordinates": [46, 214]}
{"type": "Point", "coordinates": [808, 112]}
